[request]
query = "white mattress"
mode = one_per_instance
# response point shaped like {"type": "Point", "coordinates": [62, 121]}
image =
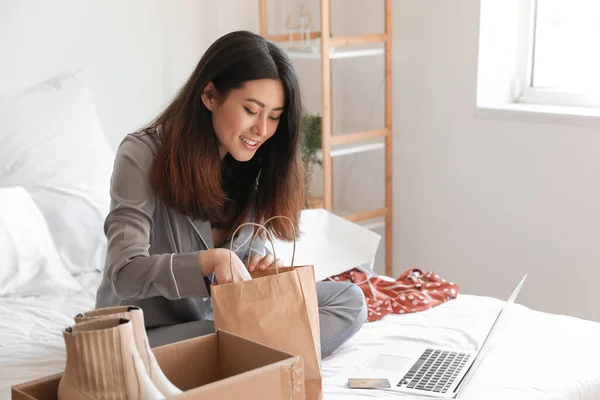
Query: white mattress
{"type": "Point", "coordinates": [535, 356]}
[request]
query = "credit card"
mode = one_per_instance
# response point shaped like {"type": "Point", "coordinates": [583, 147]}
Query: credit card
{"type": "Point", "coordinates": [368, 383]}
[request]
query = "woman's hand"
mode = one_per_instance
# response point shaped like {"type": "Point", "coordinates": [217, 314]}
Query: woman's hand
{"type": "Point", "coordinates": [263, 263]}
{"type": "Point", "coordinates": [225, 264]}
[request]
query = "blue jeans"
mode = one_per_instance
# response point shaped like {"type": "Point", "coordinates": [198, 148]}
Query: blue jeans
{"type": "Point", "coordinates": [342, 312]}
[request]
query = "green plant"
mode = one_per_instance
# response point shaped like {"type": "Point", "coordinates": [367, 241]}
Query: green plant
{"type": "Point", "coordinates": [310, 139]}
{"type": "Point", "coordinates": [330, 34]}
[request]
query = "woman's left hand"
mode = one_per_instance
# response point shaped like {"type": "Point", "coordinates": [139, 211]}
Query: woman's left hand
{"type": "Point", "coordinates": [262, 263]}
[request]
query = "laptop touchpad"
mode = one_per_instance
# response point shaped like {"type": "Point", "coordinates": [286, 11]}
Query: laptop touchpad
{"type": "Point", "coordinates": [387, 362]}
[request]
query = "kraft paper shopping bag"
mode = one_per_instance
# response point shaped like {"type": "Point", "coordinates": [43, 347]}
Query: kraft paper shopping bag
{"type": "Point", "coordinates": [278, 308]}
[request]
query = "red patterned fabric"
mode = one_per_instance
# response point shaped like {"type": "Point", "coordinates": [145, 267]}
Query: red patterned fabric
{"type": "Point", "coordinates": [413, 291]}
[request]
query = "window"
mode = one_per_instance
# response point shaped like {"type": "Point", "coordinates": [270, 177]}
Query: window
{"type": "Point", "coordinates": [560, 64]}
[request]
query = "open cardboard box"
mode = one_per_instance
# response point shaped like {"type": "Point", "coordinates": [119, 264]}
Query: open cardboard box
{"type": "Point", "coordinates": [216, 366]}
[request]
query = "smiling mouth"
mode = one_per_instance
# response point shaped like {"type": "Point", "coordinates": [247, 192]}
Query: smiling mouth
{"type": "Point", "coordinates": [248, 142]}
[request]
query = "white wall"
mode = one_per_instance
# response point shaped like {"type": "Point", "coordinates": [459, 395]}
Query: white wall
{"type": "Point", "coordinates": [119, 46]}
{"type": "Point", "coordinates": [483, 201]}
{"type": "Point", "coordinates": [134, 54]}
{"type": "Point", "coordinates": [478, 201]}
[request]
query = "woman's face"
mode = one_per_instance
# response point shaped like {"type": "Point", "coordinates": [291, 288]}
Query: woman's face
{"type": "Point", "coordinates": [247, 117]}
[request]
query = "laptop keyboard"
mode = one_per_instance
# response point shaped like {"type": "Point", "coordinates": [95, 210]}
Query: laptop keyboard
{"type": "Point", "coordinates": [435, 370]}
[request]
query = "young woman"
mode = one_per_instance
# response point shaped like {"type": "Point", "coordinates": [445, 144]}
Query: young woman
{"type": "Point", "coordinates": [225, 151]}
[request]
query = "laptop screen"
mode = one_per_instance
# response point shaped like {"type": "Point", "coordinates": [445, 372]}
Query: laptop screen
{"type": "Point", "coordinates": [484, 347]}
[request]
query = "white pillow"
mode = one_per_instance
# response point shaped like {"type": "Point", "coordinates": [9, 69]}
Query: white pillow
{"type": "Point", "coordinates": [51, 143]}
{"type": "Point", "coordinates": [30, 265]}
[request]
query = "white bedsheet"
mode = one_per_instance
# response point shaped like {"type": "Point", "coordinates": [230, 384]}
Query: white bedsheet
{"type": "Point", "coordinates": [536, 356]}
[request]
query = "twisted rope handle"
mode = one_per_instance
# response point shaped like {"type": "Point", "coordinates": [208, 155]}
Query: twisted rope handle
{"type": "Point", "coordinates": [270, 238]}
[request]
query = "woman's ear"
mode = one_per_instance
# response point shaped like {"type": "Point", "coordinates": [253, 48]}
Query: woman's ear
{"type": "Point", "coordinates": [209, 96]}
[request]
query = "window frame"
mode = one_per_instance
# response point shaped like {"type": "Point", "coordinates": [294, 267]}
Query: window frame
{"type": "Point", "coordinates": [527, 93]}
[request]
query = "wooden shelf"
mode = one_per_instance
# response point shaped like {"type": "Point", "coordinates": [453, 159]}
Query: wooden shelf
{"type": "Point", "coordinates": [326, 48]}
{"type": "Point", "coordinates": [350, 40]}
{"type": "Point", "coordinates": [370, 219]}
{"type": "Point", "coordinates": [377, 224]}
{"type": "Point", "coordinates": [286, 37]}
{"type": "Point", "coordinates": [358, 136]}
{"type": "Point", "coordinates": [298, 51]}
{"type": "Point", "coordinates": [357, 142]}
{"type": "Point", "coordinates": [365, 215]}
{"type": "Point", "coordinates": [352, 148]}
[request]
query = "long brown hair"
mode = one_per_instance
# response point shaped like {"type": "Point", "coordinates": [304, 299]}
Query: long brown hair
{"type": "Point", "coordinates": [188, 173]}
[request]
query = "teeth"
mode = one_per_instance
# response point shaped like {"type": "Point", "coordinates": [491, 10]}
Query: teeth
{"type": "Point", "coordinates": [250, 142]}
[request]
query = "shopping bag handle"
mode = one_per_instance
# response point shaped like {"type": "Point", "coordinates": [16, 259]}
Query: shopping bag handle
{"type": "Point", "coordinates": [263, 227]}
{"type": "Point", "coordinates": [269, 236]}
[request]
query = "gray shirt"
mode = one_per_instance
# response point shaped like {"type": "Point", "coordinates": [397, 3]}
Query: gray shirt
{"type": "Point", "coordinates": [153, 257]}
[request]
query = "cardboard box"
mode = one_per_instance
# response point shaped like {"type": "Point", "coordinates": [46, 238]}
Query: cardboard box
{"type": "Point", "coordinates": [216, 366]}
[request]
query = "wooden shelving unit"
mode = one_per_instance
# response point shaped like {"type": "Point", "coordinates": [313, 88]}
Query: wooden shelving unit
{"type": "Point", "coordinates": [354, 142]}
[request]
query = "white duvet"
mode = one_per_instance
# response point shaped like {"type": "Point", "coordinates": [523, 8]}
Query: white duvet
{"type": "Point", "coordinates": [535, 355]}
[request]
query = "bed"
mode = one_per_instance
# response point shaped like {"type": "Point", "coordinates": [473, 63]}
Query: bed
{"type": "Point", "coordinates": [51, 215]}
{"type": "Point", "coordinates": [535, 356]}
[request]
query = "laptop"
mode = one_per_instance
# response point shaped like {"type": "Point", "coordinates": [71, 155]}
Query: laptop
{"type": "Point", "coordinates": [428, 371]}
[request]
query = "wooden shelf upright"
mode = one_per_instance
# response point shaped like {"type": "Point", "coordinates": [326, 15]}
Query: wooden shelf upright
{"type": "Point", "coordinates": [351, 142]}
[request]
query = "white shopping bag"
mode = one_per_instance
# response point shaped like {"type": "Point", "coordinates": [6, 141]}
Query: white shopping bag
{"type": "Point", "coordinates": [330, 243]}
